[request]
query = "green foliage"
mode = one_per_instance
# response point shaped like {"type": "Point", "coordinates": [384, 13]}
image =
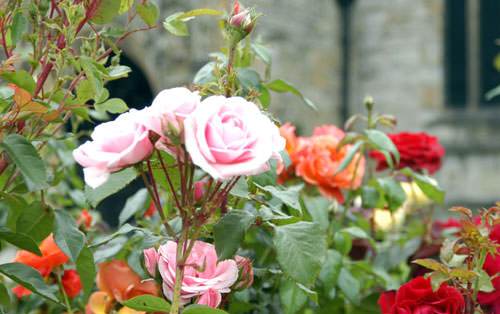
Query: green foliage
{"type": "Point", "coordinates": [20, 240]}
{"type": "Point", "coordinates": [202, 309]}
{"type": "Point", "coordinates": [148, 303]}
{"type": "Point", "coordinates": [29, 278]}
{"type": "Point", "coordinates": [301, 249]}
{"type": "Point", "coordinates": [67, 235]}
{"type": "Point", "coordinates": [229, 232]}
{"type": "Point", "coordinates": [26, 158]}
{"type": "Point", "coordinates": [115, 183]}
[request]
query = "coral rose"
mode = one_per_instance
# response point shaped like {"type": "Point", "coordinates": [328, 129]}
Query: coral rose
{"type": "Point", "coordinates": [417, 296]}
{"type": "Point", "coordinates": [417, 151]}
{"type": "Point", "coordinates": [52, 257]}
{"type": "Point", "coordinates": [204, 277]}
{"type": "Point", "coordinates": [228, 137]}
{"type": "Point", "coordinates": [115, 145]}
{"type": "Point", "coordinates": [319, 159]}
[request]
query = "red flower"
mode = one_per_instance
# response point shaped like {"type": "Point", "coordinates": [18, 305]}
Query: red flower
{"type": "Point", "coordinates": [52, 257]}
{"type": "Point", "coordinates": [85, 219]}
{"type": "Point", "coordinates": [418, 151]}
{"type": "Point", "coordinates": [151, 210]}
{"type": "Point", "coordinates": [417, 296]}
{"type": "Point", "coordinates": [71, 283]}
{"type": "Point", "coordinates": [492, 267]}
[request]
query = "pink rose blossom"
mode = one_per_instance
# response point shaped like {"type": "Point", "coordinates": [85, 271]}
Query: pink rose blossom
{"type": "Point", "coordinates": [151, 260]}
{"type": "Point", "coordinates": [170, 107]}
{"type": "Point", "coordinates": [228, 137]}
{"type": "Point", "coordinates": [204, 277]}
{"type": "Point", "coordinates": [115, 145]}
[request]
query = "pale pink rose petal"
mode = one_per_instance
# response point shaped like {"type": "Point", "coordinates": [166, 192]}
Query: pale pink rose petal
{"type": "Point", "coordinates": [151, 257]}
{"type": "Point", "coordinates": [210, 298]}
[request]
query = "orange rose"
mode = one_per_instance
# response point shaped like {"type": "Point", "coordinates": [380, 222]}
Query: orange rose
{"type": "Point", "coordinates": [319, 158]}
{"type": "Point", "coordinates": [71, 283]}
{"type": "Point", "coordinates": [52, 257]}
{"type": "Point", "coordinates": [117, 281]}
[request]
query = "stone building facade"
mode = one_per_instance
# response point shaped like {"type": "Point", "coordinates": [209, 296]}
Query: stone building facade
{"type": "Point", "coordinates": [396, 53]}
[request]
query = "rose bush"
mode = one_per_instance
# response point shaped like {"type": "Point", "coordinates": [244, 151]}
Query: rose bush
{"type": "Point", "coordinates": [207, 228]}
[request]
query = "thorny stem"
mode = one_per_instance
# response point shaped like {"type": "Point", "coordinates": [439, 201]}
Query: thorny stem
{"type": "Point", "coordinates": [156, 201]}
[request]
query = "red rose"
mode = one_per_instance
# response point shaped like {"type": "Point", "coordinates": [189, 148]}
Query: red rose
{"type": "Point", "coordinates": [417, 296]}
{"type": "Point", "coordinates": [492, 267]}
{"type": "Point", "coordinates": [418, 151]}
{"type": "Point", "coordinates": [71, 283]}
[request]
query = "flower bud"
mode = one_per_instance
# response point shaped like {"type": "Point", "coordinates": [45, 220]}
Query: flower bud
{"type": "Point", "coordinates": [200, 188]}
{"type": "Point", "coordinates": [151, 210]}
{"type": "Point", "coordinates": [151, 260]}
{"type": "Point", "coordinates": [85, 219]}
{"type": "Point", "coordinates": [241, 22]}
{"type": "Point", "coordinates": [245, 270]}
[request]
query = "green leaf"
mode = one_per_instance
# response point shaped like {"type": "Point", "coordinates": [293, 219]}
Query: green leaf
{"type": "Point", "coordinates": [93, 75]}
{"type": "Point", "coordinates": [106, 11]}
{"type": "Point", "coordinates": [355, 232]}
{"type": "Point", "coordinates": [21, 79]}
{"type": "Point", "coordinates": [67, 235]}
{"type": "Point", "coordinates": [175, 25]}
{"type": "Point", "coordinates": [430, 188]}
{"type": "Point", "coordinates": [393, 192]}
{"type": "Point", "coordinates": [281, 86]}
{"type": "Point", "coordinates": [112, 105]}
{"type": "Point", "coordinates": [202, 309]}
{"type": "Point", "coordinates": [349, 285]}
{"type": "Point", "coordinates": [119, 71]}
{"type": "Point", "coordinates": [4, 296]}
{"type": "Point", "coordinates": [348, 158]}
{"type": "Point", "coordinates": [288, 195]}
{"type": "Point", "coordinates": [84, 91]}
{"type": "Point", "coordinates": [291, 296]}
{"type": "Point", "coordinates": [134, 204]}
{"type": "Point", "coordinates": [383, 143]}
{"type": "Point", "coordinates": [148, 13]}
{"type": "Point", "coordinates": [126, 228]}
{"type": "Point", "coordinates": [205, 74]}
{"type": "Point", "coordinates": [198, 12]}
{"type": "Point", "coordinates": [125, 5]}
{"type": "Point", "coordinates": [262, 53]}
{"type": "Point", "coordinates": [248, 78]}
{"type": "Point", "coordinates": [230, 231]}
{"type": "Point", "coordinates": [116, 182]}
{"type": "Point", "coordinates": [36, 220]}
{"type": "Point", "coordinates": [18, 28]}
{"type": "Point", "coordinates": [20, 240]}
{"type": "Point", "coordinates": [26, 158]}
{"type": "Point", "coordinates": [85, 266]}
{"type": "Point", "coordinates": [371, 197]}
{"type": "Point", "coordinates": [28, 278]}
{"type": "Point", "coordinates": [301, 249]}
{"type": "Point", "coordinates": [148, 303]}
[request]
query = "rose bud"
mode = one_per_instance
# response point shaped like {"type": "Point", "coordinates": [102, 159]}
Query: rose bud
{"type": "Point", "coordinates": [151, 210]}
{"type": "Point", "coordinates": [85, 219]}
{"type": "Point", "coordinates": [245, 270]}
{"type": "Point", "coordinates": [241, 22]}
{"type": "Point", "coordinates": [200, 188]}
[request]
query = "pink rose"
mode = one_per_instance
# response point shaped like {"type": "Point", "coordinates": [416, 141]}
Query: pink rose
{"type": "Point", "coordinates": [151, 260]}
{"type": "Point", "coordinates": [229, 137]}
{"type": "Point", "coordinates": [115, 145]}
{"type": "Point", "coordinates": [204, 277]}
{"type": "Point", "coordinates": [170, 107]}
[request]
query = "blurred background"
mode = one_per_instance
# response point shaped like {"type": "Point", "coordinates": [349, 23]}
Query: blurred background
{"type": "Point", "coordinates": [428, 62]}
